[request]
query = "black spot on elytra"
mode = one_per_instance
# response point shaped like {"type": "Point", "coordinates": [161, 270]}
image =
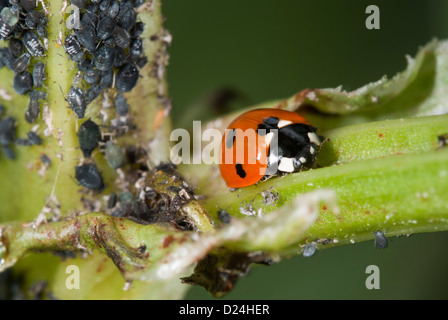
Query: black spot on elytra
{"type": "Point", "coordinates": [240, 171]}
{"type": "Point", "coordinates": [230, 139]}
{"type": "Point", "coordinates": [268, 124]}
{"type": "Point", "coordinates": [271, 121]}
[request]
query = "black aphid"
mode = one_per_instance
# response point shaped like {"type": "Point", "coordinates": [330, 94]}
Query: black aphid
{"type": "Point", "coordinates": [22, 63]}
{"type": "Point", "coordinates": [114, 155]}
{"type": "Point", "coordinates": [122, 37]}
{"type": "Point", "coordinates": [23, 82]}
{"type": "Point", "coordinates": [309, 250]}
{"type": "Point", "coordinates": [32, 43]}
{"type": "Point", "coordinates": [127, 15]}
{"type": "Point", "coordinates": [18, 31]}
{"type": "Point", "coordinates": [34, 138]}
{"type": "Point", "coordinates": [72, 46]}
{"type": "Point", "coordinates": [380, 240]}
{"type": "Point", "coordinates": [92, 76]}
{"type": "Point", "coordinates": [89, 18]}
{"type": "Point", "coordinates": [7, 131]}
{"type": "Point", "coordinates": [137, 29]}
{"type": "Point", "coordinates": [121, 105]}
{"type": "Point", "coordinates": [76, 99]}
{"type": "Point", "coordinates": [127, 77]}
{"type": "Point", "coordinates": [92, 8]}
{"type": "Point", "coordinates": [110, 42]}
{"type": "Point", "coordinates": [7, 58]}
{"type": "Point", "coordinates": [105, 27]}
{"type": "Point", "coordinates": [92, 93]}
{"type": "Point", "coordinates": [89, 177]}
{"type": "Point", "coordinates": [5, 30]}
{"type": "Point", "coordinates": [104, 5]}
{"type": "Point", "coordinates": [38, 74]}
{"type": "Point", "coordinates": [22, 142]}
{"type": "Point", "coordinates": [120, 57]}
{"type": "Point", "coordinates": [112, 201]}
{"type": "Point", "coordinates": [32, 112]}
{"type": "Point", "coordinates": [107, 78]}
{"type": "Point", "coordinates": [136, 48]}
{"type": "Point", "coordinates": [38, 95]}
{"type": "Point", "coordinates": [224, 216]}
{"type": "Point", "coordinates": [86, 36]}
{"type": "Point", "coordinates": [88, 136]}
{"type": "Point", "coordinates": [141, 61]}
{"type": "Point", "coordinates": [28, 5]}
{"type": "Point", "coordinates": [15, 47]}
{"type": "Point", "coordinates": [104, 58]}
{"type": "Point", "coordinates": [33, 19]}
{"type": "Point", "coordinates": [84, 64]}
{"type": "Point", "coordinates": [8, 21]}
{"type": "Point", "coordinates": [114, 9]}
{"type": "Point", "coordinates": [42, 31]}
{"type": "Point", "coordinates": [45, 160]}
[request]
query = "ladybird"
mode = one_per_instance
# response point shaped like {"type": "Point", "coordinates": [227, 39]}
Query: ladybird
{"type": "Point", "coordinates": [267, 142]}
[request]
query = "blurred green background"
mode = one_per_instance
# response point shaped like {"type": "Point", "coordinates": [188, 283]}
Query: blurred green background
{"type": "Point", "coordinates": [270, 50]}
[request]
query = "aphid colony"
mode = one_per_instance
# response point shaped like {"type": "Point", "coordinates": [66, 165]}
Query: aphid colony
{"type": "Point", "coordinates": [24, 26]}
{"type": "Point", "coordinates": [8, 135]}
{"type": "Point", "coordinates": [107, 49]}
{"type": "Point", "coordinates": [89, 137]}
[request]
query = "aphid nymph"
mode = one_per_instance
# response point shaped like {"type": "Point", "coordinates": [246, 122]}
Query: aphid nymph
{"type": "Point", "coordinates": [380, 240]}
{"type": "Point", "coordinates": [89, 177]}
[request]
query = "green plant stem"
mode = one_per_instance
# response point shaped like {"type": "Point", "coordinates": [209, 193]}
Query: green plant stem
{"type": "Point", "coordinates": [399, 195]}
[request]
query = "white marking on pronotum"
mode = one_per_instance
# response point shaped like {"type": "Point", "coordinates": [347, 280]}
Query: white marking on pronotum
{"type": "Point", "coordinates": [314, 138]}
{"type": "Point", "coordinates": [283, 123]}
{"type": "Point", "coordinates": [286, 165]}
{"type": "Point", "coordinates": [312, 151]}
{"type": "Point", "coordinates": [302, 160]}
